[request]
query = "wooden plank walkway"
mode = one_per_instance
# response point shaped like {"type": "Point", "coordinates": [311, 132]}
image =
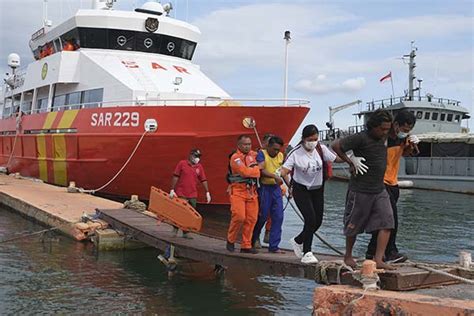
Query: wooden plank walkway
{"type": "Point", "coordinates": [212, 250]}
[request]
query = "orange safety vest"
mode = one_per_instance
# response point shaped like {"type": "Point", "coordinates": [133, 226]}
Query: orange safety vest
{"type": "Point", "coordinates": [245, 166]}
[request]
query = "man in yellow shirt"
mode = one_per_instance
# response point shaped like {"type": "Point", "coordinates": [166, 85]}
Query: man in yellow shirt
{"type": "Point", "coordinates": [270, 194]}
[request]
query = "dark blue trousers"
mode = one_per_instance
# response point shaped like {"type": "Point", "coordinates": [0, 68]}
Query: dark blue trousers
{"type": "Point", "coordinates": [271, 202]}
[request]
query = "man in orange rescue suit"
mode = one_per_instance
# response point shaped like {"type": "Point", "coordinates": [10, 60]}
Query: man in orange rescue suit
{"type": "Point", "coordinates": [243, 175]}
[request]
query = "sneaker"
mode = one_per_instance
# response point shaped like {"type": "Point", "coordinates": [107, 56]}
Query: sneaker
{"type": "Point", "coordinates": [249, 250]}
{"type": "Point", "coordinates": [266, 238]}
{"type": "Point", "coordinates": [309, 258]}
{"type": "Point", "coordinates": [257, 244]}
{"type": "Point", "coordinates": [396, 257]}
{"type": "Point", "coordinates": [230, 246]}
{"type": "Point", "coordinates": [297, 248]}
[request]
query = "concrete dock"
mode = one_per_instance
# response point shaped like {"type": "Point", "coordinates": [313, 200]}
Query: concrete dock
{"type": "Point", "coordinates": [51, 205]}
{"type": "Point", "coordinates": [345, 300]}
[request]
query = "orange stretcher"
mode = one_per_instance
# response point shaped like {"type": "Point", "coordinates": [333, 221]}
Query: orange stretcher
{"type": "Point", "coordinates": [176, 211]}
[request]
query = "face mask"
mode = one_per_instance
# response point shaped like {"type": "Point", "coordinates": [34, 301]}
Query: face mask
{"type": "Point", "coordinates": [402, 135]}
{"type": "Point", "coordinates": [310, 145]}
{"type": "Point", "coordinates": [196, 160]}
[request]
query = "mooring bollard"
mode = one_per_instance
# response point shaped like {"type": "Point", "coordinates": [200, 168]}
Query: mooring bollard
{"type": "Point", "coordinates": [72, 187]}
{"type": "Point", "coordinates": [465, 259]}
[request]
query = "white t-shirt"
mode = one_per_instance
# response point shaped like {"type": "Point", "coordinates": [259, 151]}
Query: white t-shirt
{"type": "Point", "coordinates": [307, 166]}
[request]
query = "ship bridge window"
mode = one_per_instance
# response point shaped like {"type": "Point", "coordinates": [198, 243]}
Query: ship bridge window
{"type": "Point", "coordinates": [7, 108]}
{"type": "Point", "coordinates": [70, 40]}
{"type": "Point", "coordinates": [122, 40]}
{"type": "Point", "coordinates": [42, 105]}
{"type": "Point", "coordinates": [59, 102]}
{"type": "Point", "coordinates": [427, 115]}
{"type": "Point", "coordinates": [74, 99]}
{"type": "Point", "coordinates": [457, 118]}
{"type": "Point", "coordinates": [26, 106]}
{"type": "Point", "coordinates": [136, 41]}
{"type": "Point", "coordinates": [443, 116]}
{"type": "Point", "coordinates": [92, 98]}
{"type": "Point", "coordinates": [147, 42]}
{"type": "Point", "coordinates": [450, 117]}
{"type": "Point", "coordinates": [434, 117]}
{"type": "Point", "coordinates": [93, 38]}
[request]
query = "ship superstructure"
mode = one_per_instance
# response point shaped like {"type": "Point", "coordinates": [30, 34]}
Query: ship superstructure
{"type": "Point", "coordinates": [99, 79]}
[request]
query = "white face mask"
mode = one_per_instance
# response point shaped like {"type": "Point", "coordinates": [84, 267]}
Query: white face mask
{"type": "Point", "coordinates": [310, 145]}
{"type": "Point", "coordinates": [196, 160]}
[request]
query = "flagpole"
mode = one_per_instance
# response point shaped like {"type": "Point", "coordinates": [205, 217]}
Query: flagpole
{"type": "Point", "coordinates": [391, 81]}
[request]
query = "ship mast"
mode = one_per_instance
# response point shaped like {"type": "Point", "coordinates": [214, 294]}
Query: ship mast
{"type": "Point", "coordinates": [411, 71]}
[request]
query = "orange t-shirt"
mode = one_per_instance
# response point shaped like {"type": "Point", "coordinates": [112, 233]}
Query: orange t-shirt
{"type": "Point", "coordinates": [395, 148]}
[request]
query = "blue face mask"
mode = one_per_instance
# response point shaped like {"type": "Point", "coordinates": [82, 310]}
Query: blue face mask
{"type": "Point", "coordinates": [402, 135]}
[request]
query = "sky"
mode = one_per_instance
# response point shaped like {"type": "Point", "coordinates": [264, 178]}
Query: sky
{"type": "Point", "coordinates": [338, 52]}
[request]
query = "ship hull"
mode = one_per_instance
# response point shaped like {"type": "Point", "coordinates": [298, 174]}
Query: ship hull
{"type": "Point", "coordinates": [90, 146]}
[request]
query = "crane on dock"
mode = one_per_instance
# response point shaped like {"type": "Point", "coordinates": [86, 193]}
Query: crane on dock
{"type": "Point", "coordinates": [333, 110]}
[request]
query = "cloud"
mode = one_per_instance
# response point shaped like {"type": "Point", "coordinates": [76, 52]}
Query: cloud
{"type": "Point", "coordinates": [321, 85]}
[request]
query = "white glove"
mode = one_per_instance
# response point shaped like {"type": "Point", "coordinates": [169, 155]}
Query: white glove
{"type": "Point", "coordinates": [360, 167]}
{"type": "Point", "coordinates": [208, 197]}
{"type": "Point", "coordinates": [278, 172]}
{"type": "Point", "coordinates": [413, 139]}
{"type": "Point", "coordinates": [172, 194]}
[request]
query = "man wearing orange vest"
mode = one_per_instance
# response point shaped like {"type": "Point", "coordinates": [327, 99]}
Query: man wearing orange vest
{"type": "Point", "coordinates": [243, 175]}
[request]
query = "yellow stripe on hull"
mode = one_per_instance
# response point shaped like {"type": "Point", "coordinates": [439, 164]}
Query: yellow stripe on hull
{"type": "Point", "coordinates": [49, 120]}
{"type": "Point", "coordinates": [59, 163]}
{"type": "Point", "coordinates": [67, 118]}
{"type": "Point", "coordinates": [41, 149]}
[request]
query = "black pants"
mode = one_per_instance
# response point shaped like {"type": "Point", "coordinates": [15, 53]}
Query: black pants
{"type": "Point", "coordinates": [311, 206]}
{"type": "Point", "coordinates": [394, 193]}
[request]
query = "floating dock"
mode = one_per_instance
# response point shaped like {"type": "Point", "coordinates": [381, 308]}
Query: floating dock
{"type": "Point", "coordinates": [160, 235]}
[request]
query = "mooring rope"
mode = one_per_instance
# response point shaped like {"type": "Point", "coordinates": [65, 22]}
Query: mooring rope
{"type": "Point", "coordinates": [118, 172]}
{"type": "Point", "coordinates": [29, 235]}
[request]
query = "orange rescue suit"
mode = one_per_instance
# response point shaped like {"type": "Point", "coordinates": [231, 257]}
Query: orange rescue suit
{"type": "Point", "coordinates": [243, 198]}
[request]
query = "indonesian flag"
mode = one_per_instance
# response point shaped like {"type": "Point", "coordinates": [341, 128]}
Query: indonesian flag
{"type": "Point", "coordinates": [386, 77]}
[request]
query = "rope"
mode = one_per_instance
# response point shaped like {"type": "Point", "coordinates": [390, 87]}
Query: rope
{"type": "Point", "coordinates": [120, 171]}
{"type": "Point", "coordinates": [29, 235]}
{"type": "Point", "coordinates": [425, 267]}
{"type": "Point", "coordinates": [293, 206]}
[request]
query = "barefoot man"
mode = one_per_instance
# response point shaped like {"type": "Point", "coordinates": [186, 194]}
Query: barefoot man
{"type": "Point", "coordinates": [367, 202]}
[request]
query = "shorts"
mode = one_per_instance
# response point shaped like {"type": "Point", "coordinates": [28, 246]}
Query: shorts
{"type": "Point", "coordinates": [367, 212]}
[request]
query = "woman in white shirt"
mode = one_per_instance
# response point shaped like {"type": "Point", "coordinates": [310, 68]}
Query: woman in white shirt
{"type": "Point", "coordinates": [307, 161]}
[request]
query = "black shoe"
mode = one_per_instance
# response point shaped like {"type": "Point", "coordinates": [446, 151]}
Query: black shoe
{"type": "Point", "coordinates": [249, 250]}
{"type": "Point", "coordinates": [396, 257]}
{"type": "Point", "coordinates": [230, 246]}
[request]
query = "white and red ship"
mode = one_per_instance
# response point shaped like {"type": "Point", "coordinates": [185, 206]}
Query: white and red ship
{"type": "Point", "coordinates": [99, 79]}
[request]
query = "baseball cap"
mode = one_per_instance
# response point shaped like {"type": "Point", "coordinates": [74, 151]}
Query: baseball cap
{"type": "Point", "coordinates": [195, 152]}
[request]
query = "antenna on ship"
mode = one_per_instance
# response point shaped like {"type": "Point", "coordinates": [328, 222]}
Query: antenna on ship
{"type": "Point", "coordinates": [103, 4]}
{"type": "Point", "coordinates": [411, 70]}
{"type": "Point", "coordinates": [46, 22]}
{"type": "Point", "coordinates": [287, 38]}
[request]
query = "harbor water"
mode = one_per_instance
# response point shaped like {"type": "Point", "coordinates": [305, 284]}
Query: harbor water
{"type": "Point", "coordinates": [52, 274]}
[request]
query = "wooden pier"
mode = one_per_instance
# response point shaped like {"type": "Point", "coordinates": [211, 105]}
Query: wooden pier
{"type": "Point", "coordinates": [149, 230]}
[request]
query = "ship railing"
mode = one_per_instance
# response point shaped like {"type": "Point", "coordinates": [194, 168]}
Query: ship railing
{"type": "Point", "coordinates": [384, 103]}
{"type": "Point", "coordinates": [176, 102]}
{"type": "Point", "coordinates": [335, 133]}
{"type": "Point", "coordinates": [440, 166]}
